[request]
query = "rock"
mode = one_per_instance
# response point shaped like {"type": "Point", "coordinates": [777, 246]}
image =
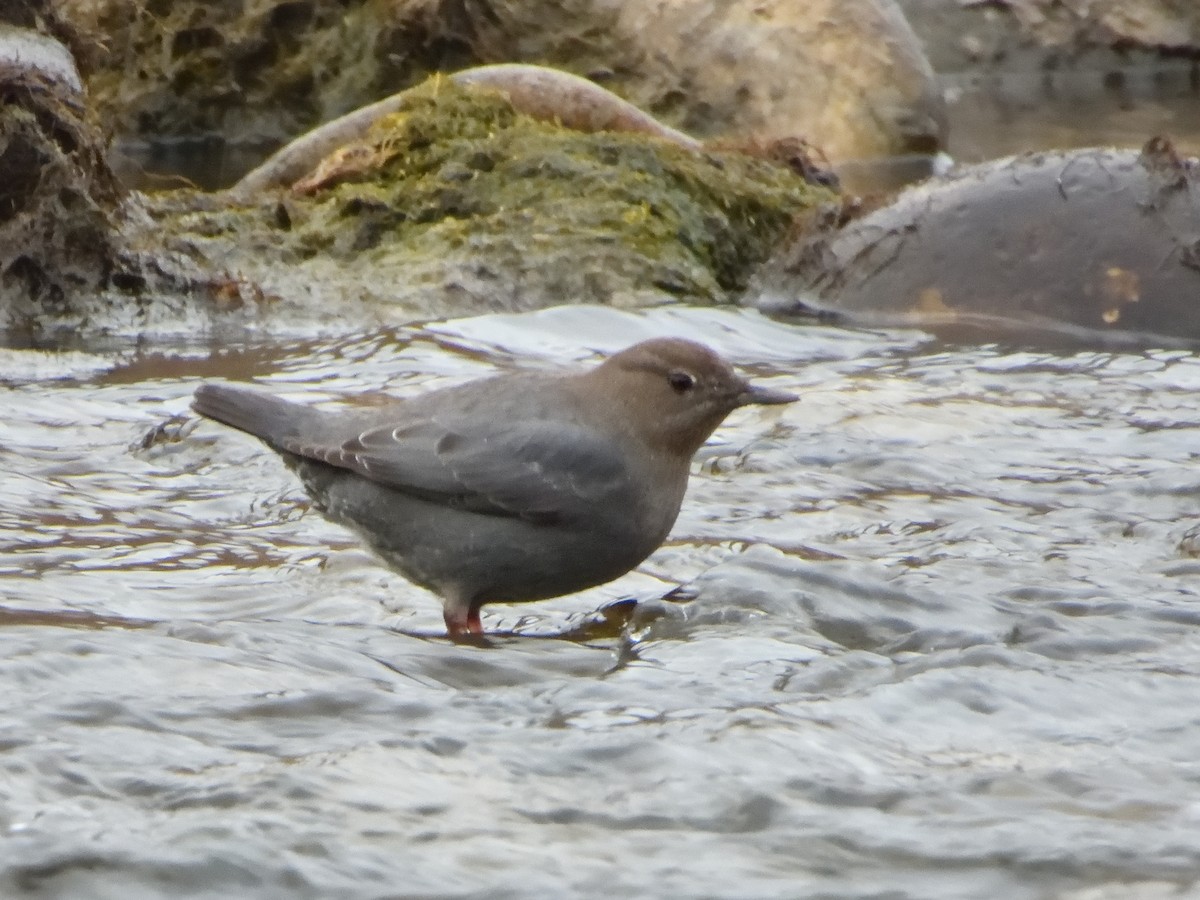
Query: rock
{"type": "Point", "coordinates": [77, 252]}
{"type": "Point", "coordinates": [550, 95]}
{"type": "Point", "coordinates": [1024, 35]}
{"type": "Point", "coordinates": [458, 204]}
{"type": "Point", "coordinates": [58, 198]}
{"type": "Point", "coordinates": [1094, 246]}
{"type": "Point", "coordinates": [758, 68]}
{"type": "Point", "coordinates": [780, 69]}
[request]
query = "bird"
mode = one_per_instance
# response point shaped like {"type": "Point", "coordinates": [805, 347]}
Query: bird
{"type": "Point", "coordinates": [516, 487]}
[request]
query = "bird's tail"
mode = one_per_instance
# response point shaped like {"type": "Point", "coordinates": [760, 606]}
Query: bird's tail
{"type": "Point", "coordinates": [273, 419]}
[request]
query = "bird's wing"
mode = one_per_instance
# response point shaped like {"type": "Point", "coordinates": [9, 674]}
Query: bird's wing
{"type": "Point", "coordinates": [536, 470]}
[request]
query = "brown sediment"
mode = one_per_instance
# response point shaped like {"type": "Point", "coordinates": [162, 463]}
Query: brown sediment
{"type": "Point", "coordinates": [542, 93]}
{"type": "Point", "coordinates": [66, 618]}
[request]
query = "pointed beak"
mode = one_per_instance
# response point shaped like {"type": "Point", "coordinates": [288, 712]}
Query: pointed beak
{"type": "Point", "coordinates": [756, 395]}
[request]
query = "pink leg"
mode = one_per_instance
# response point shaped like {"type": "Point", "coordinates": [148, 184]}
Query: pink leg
{"type": "Point", "coordinates": [462, 621]}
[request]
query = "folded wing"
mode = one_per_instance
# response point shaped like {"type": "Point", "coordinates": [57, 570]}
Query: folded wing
{"type": "Point", "coordinates": [537, 470]}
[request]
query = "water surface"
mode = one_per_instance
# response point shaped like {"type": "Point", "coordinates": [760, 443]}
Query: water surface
{"type": "Point", "coordinates": [931, 632]}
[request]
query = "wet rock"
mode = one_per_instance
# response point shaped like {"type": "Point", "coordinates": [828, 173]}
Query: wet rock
{"type": "Point", "coordinates": [265, 70]}
{"type": "Point", "coordinates": [457, 203]}
{"type": "Point", "coordinates": [58, 198]}
{"type": "Point", "coordinates": [77, 253]}
{"type": "Point", "coordinates": [1096, 246]}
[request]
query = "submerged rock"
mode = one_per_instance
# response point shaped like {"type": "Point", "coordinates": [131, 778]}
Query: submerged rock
{"type": "Point", "coordinates": [1097, 246]}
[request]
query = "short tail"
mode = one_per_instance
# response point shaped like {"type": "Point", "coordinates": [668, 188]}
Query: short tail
{"type": "Point", "coordinates": [262, 415]}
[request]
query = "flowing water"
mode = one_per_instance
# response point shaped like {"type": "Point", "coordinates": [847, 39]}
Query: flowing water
{"type": "Point", "coordinates": [931, 632]}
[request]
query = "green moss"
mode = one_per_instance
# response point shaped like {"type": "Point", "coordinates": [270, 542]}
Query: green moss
{"type": "Point", "coordinates": [462, 172]}
{"type": "Point", "coordinates": [459, 205]}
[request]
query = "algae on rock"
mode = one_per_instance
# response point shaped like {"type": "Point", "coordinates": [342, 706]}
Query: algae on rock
{"type": "Point", "coordinates": [458, 204]}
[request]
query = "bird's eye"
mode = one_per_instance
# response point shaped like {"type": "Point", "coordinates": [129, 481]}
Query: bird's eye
{"type": "Point", "coordinates": [681, 382]}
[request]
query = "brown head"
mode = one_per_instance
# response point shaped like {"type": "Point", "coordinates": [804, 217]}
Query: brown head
{"type": "Point", "coordinates": [673, 393]}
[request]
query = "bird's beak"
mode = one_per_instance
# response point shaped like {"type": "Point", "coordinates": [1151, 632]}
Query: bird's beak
{"type": "Point", "coordinates": [753, 394]}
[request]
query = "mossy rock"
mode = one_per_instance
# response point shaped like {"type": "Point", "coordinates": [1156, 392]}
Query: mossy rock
{"type": "Point", "coordinates": [458, 204]}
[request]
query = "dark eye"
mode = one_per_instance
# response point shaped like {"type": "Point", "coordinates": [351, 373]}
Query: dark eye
{"type": "Point", "coordinates": [681, 381]}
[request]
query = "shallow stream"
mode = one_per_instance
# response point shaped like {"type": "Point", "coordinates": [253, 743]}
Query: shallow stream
{"type": "Point", "coordinates": [931, 632]}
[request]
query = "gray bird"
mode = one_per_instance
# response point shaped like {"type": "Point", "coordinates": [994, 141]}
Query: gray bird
{"type": "Point", "coordinates": [516, 487]}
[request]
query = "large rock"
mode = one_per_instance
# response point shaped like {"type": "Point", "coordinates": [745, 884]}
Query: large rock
{"type": "Point", "coordinates": [457, 203]}
{"type": "Point", "coordinates": [454, 203]}
{"type": "Point", "coordinates": [1094, 246]}
{"type": "Point", "coordinates": [848, 75]}
{"type": "Point", "coordinates": [264, 70]}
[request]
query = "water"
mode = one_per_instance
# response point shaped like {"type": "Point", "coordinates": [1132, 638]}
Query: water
{"type": "Point", "coordinates": [1123, 106]}
{"type": "Point", "coordinates": [936, 638]}
{"type": "Point", "coordinates": [995, 114]}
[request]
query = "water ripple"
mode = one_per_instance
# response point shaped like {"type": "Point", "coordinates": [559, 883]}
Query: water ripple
{"type": "Point", "coordinates": [930, 632]}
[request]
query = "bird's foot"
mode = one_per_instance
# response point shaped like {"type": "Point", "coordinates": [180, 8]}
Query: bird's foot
{"type": "Point", "coordinates": [464, 627]}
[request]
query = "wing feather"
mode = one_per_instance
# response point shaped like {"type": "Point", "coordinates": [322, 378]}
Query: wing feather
{"type": "Point", "coordinates": [538, 470]}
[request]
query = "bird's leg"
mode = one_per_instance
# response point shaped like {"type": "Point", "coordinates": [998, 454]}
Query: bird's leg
{"type": "Point", "coordinates": [456, 623]}
{"type": "Point", "coordinates": [462, 620]}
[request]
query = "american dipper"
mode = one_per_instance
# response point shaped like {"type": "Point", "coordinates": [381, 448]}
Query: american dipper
{"type": "Point", "coordinates": [515, 487]}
